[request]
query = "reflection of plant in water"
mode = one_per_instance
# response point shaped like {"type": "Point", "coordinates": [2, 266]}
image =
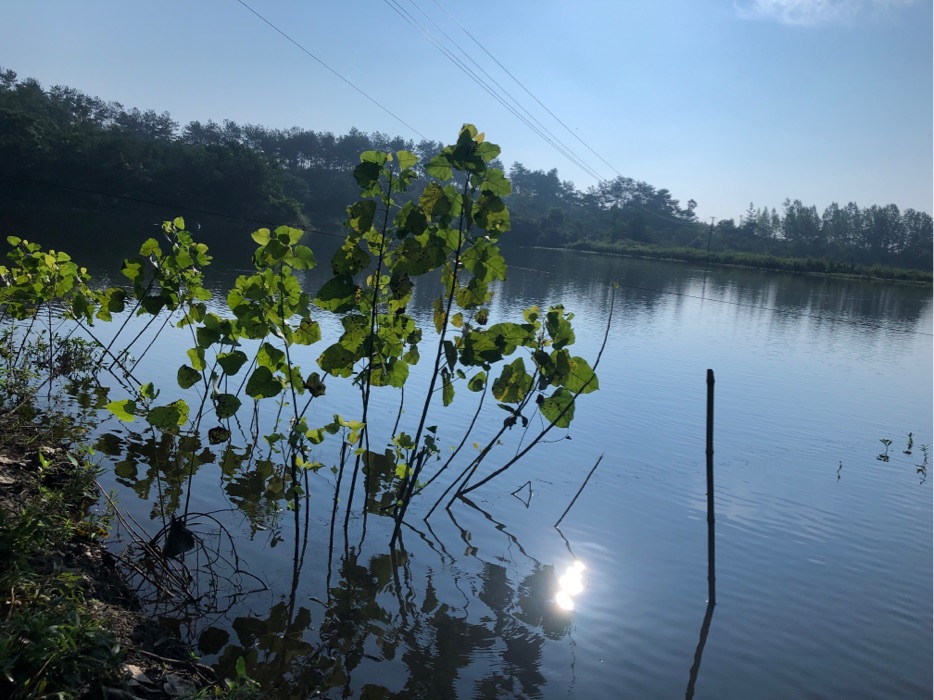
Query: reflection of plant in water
{"type": "Point", "coordinates": [355, 619]}
{"type": "Point", "coordinates": [184, 572]}
{"type": "Point", "coordinates": [258, 492]}
{"type": "Point", "coordinates": [377, 609]}
{"type": "Point", "coordinates": [921, 469]}
{"type": "Point", "coordinates": [167, 461]}
{"type": "Point", "coordinates": [31, 359]}
{"type": "Point", "coordinates": [884, 456]}
{"type": "Point", "coordinates": [279, 656]}
{"type": "Point", "coordinates": [450, 228]}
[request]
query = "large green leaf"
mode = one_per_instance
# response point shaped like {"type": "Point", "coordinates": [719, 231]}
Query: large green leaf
{"type": "Point", "coordinates": [434, 201]}
{"type": "Point", "coordinates": [289, 235]}
{"type": "Point", "coordinates": [270, 356]}
{"type": "Point", "coordinates": [196, 355]}
{"type": "Point", "coordinates": [337, 294]}
{"type": "Point", "coordinates": [231, 362]}
{"type": "Point", "coordinates": [168, 418]}
{"type": "Point", "coordinates": [226, 405]}
{"type": "Point", "coordinates": [261, 236]}
{"type": "Point", "coordinates": [473, 294]}
{"type": "Point", "coordinates": [496, 183]}
{"type": "Point", "coordinates": [356, 331]}
{"type": "Point", "coordinates": [187, 376]}
{"type": "Point", "coordinates": [406, 159]}
{"type": "Point", "coordinates": [508, 336]}
{"type": "Point", "coordinates": [420, 254]}
{"type": "Point", "coordinates": [367, 176]}
{"type": "Point", "coordinates": [558, 408]}
{"type": "Point", "coordinates": [484, 260]}
{"type": "Point", "coordinates": [303, 258]}
{"type": "Point", "coordinates": [307, 333]}
{"type": "Point", "coordinates": [410, 220]}
{"type": "Point", "coordinates": [150, 247]}
{"type": "Point", "coordinates": [393, 372]}
{"type": "Point", "coordinates": [207, 336]}
{"type": "Point", "coordinates": [581, 377]}
{"type": "Point", "coordinates": [125, 409]}
{"type": "Point", "coordinates": [488, 151]}
{"type": "Point", "coordinates": [262, 384]}
{"type": "Point", "coordinates": [360, 215]}
{"type": "Point", "coordinates": [378, 157]}
{"type": "Point", "coordinates": [491, 213]}
{"type": "Point", "coordinates": [513, 384]}
{"type": "Point", "coordinates": [337, 361]}
{"type": "Point", "coordinates": [558, 325]}
{"type": "Point", "coordinates": [439, 167]}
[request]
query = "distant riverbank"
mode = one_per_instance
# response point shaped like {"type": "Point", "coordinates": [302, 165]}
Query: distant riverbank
{"type": "Point", "coordinates": [813, 266]}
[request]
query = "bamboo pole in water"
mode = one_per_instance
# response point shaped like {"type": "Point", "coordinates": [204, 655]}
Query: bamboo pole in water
{"type": "Point", "coordinates": [711, 552]}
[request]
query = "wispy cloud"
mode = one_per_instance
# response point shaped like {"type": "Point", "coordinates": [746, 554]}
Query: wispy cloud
{"type": "Point", "coordinates": [816, 12]}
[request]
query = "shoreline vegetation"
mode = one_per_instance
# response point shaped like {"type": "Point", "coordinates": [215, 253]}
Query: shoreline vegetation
{"type": "Point", "coordinates": [51, 364]}
{"type": "Point", "coordinates": [808, 266]}
{"type": "Point", "coordinates": [62, 150]}
{"type": "Point", "coordinates": [71, 625]}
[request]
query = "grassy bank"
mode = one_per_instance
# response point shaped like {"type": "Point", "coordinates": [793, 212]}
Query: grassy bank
{"type": "Point", "coordinates": [69, 625]}
{"type": "Point", "coordinates": [823, 266]}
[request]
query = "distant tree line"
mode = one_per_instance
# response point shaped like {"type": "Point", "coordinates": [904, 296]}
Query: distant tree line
{"type": "Point", "coordinates": [63, 136]}
{"type": "Point", "coordinates": [302, 176]}
{"type": "Point", "coordinates": [628, 214]}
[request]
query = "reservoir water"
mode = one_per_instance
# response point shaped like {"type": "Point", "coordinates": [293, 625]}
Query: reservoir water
{"type": "Point", "coordinates": [824, 550]}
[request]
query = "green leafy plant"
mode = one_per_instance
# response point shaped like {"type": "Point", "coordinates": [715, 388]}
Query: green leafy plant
{"type": "Point", "coordinates": [447, 236]}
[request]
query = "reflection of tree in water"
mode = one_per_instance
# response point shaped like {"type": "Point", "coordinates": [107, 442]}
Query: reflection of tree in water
{"type": "Point", "coordinates": [157, 469]}
{"type": "Point", "coordinates": [167, 462]}
{"type": "Point", "coordinates": [257, 488]}
{"type": "Point", "coordinates": [648, 284]}
{"type": "Point", "coordinates": [520, 612]}
{"type": "Point", "coordinates": [378, 612]}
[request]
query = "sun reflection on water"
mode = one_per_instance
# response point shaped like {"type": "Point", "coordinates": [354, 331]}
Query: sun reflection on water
{"type": "Point", "coordinates": [570, 584]}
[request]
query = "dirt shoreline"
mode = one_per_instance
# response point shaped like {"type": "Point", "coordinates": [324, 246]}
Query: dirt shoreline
{"type": "Point", "coordinates": [148, 661]}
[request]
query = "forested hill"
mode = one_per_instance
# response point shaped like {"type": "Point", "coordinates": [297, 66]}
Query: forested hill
{"type": "Point", "coordinates": [61, 149]}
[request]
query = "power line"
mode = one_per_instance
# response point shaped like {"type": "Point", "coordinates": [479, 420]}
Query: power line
{"type": "Point", "coordinates": [325, 65]}
{"type": "Point", "coordinates": [559, 146]}
{"type": "Point", "coordinates": [418, 26]}
{"type": "Point", "coordinates": [551, 139]}
{"type": "Point", "coordinates": [564, 150]}
{"type": "Point", "coordinates": [529, 92]}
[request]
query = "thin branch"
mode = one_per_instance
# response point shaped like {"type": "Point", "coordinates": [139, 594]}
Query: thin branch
{"type": "Point", "coordinates": [573, 401]}
{"type": "Point", "coordinates": [573, 500]}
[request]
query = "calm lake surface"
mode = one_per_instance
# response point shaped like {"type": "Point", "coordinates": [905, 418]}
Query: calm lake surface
{"type": "Point", "coordinates": [824, 551]}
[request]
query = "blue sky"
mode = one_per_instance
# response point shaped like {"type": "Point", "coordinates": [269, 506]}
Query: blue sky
{"type": "Point", "coordinates": [724, 101]}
